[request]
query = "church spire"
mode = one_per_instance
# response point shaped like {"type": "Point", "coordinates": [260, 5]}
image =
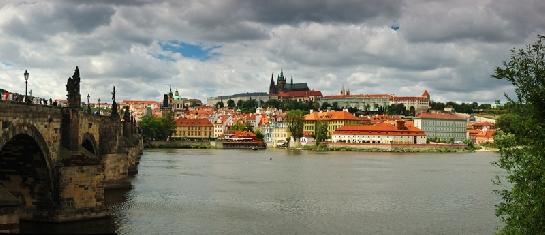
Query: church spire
{"type": "Point", "coordinates": [272, 86]}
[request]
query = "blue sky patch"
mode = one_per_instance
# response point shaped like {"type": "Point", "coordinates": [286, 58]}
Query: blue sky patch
{"type": "Point", "coordinates": [193, 51]}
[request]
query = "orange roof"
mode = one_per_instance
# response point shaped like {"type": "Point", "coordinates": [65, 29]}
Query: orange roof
{"type": "Point", "coordinates": [331, 115]}
{"type": "Point", "coordinates": [242, 134]}
{"type": "Point", "coordinates": [299, 93]}
{"type": "Point", "coordinates": [487, 134]}
{"type": "Point", "coordinates": [379, 129]}
{"type": "Point", "coordinates": [193, 122]}
{"type": "Point", "coordinates": [139, 102]}
{"type": "Point", "coordinates": [448, 116]}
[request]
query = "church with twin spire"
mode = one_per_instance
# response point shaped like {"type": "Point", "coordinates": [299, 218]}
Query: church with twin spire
{"type": "Point", "coordinates": [283, 86]}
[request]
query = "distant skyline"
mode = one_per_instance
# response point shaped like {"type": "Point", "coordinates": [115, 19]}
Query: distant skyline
{"type": "Point", "coordinates": [211, 48]}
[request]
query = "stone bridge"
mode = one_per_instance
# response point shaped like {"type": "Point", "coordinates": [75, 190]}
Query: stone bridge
{"type": "Point", "coordinates": [57, 161]}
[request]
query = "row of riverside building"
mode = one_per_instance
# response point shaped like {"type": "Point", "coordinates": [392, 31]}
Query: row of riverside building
{"type": "Point", "coordinates": [195, 121]}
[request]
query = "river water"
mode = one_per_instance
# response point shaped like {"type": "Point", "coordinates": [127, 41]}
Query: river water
{"type": "Point", "coordinates": [286, 192]}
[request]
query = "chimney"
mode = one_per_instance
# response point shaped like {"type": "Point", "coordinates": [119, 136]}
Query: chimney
{"type": "Point", "coordinates": [401, 125]}
{"type": "Point", "coordinates": [311, 111]}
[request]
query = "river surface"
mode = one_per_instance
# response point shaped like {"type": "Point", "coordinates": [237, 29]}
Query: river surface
{"type": "Point", "coordinates": [283, 192]}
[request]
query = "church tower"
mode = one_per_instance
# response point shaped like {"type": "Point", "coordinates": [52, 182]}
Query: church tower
{"type": "Point", "coordinates": [281, 81]}
{"type": "Point", "coordinates": [272, 87]}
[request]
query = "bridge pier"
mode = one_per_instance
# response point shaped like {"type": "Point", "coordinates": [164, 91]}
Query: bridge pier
{"type": "Point", "coordinates": [81, 193]}
{"type": "Point", "coordinates": [116, 167]}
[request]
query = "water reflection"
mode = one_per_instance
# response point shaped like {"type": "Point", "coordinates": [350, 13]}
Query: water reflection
{"type": "Point", "coordinates": [97, 226]}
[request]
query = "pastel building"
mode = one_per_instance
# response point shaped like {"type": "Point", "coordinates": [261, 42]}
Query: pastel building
{"type": "Point", "coordinates": [333, 119]}
{"type": "Point", "coordinates": [442, 126]}
{"type": "Point", "coordinates": [194, 128]}
{"type": "Point", "coordinates": [381, 133]}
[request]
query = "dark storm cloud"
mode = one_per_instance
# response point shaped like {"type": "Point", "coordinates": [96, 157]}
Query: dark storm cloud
{"type": "Point", "coordinates": [492, 21]}
{"type": "Point", "coordinates": [42, 20]}
{"type": "Point", "coordinates": [297, 11]}
{"type": "Point", "coordinates": [114, 2]}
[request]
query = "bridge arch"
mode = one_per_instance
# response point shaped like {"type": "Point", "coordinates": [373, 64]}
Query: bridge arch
{"type": "Point", "coordinates": [89, 143]}
{"type": "Point", "coordinates": [25, 168]}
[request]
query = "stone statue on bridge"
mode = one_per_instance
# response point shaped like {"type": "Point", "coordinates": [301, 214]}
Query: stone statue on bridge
{"type": "Point", "coordinates": [72, 86]}
{"type": "Point", "coordinates": [114, 113]}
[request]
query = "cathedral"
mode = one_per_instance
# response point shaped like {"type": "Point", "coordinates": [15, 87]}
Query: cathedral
{"type": "Point", "coordinates": [282, 86]}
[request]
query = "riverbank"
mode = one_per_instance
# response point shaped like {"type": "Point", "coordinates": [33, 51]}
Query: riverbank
{"type": "Point", "coordinates": [401, 148]}
{"type": "Point", "coordinates": [179, 145]}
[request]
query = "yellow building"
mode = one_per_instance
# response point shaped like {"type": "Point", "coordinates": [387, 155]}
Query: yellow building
{"type": "Point", "coordinates": [333, 119]}
{"type": "Point", "coordinates": [194, 128]}
{"type": "Point", "coordinates": [279, 133]}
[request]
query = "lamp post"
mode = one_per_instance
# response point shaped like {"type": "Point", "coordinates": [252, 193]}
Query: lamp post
{"type": "Point", "coordinates": [88, 104]}
{"type": "Point", "coordinates": [98, 106]}
{"type": "Point", "coordinates": [26, 84]}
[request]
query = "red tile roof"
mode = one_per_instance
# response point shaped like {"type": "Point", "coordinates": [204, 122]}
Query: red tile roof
{"type": "Point", "coordinates": [300, 94]}
{"type": "Point", "coordinates": [203, 122]}
{"type": "Point", "coordinates": [426, 93]}
{"type": "Point", "coordinates": [411, 98]}
{"type": "Point", "coordinates": [358, 96]}
{"type": "Point", "coordinates": [332, 115]}
{"type": "Point", "coordinates": [244, 134]}
{"type": "Point", "coordinates": [486, 134]}
{"type": "Point", "coordinates": [448, 116]}
{"type": "Point", "coordinates": [379, 129]}
{"type": "Point", "coordinates": [140, 102]}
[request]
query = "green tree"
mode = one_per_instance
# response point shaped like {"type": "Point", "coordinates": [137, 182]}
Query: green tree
{"type": "Point", "coordinates": [239, 126]}
{"type": "Point", "coordinates": [219, 105]}
{"type": "Point", "coordinates": [397, 109]}
{"type": "Point", "coordinates": [259, 135]}
{"type": "Point", "coordinates": [230, 103]}
{"type": "Point", "coordinates": [522, 142]}
{"type": "Point", "coordinates": [157, 128]}
{"type": "Point", "coordinates": [320, 131]}
{"type": "Point", "coordinates": [335, 106]}
{"type": "Point", "coordinates": [295, 120]}
{"type": "Point", "coordinates": [325, 106]}
{"type": "Point", "coordinates": [412, 111]}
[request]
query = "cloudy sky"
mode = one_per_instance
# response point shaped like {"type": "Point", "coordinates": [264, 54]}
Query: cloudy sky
{"type": "Point", "coordinates": [209, 47]}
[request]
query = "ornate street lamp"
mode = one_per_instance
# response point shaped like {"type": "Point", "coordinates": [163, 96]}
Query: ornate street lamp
{"type": "Point", "coordinates": [26, 84]}
{"type": "Point", "coordinates": [99, 106]}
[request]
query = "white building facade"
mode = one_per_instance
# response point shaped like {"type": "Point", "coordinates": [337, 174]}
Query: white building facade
{"type": "Point", "coordinates": [442, 126]}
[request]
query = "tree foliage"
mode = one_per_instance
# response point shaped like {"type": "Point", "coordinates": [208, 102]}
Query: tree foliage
{"type": "Point", "coordinates": [230, 103]}
{"type": "Point", "coordinates": [154, 128]}
{"type": "Point", "coordinates": [295, 121]}
{"type": "Point", "coordinates": [320, 131]}
{"type": "Point", "coordinates": [259, 135]}
{"type": "Point", "coordinates": [397, 109]}
{"type": "Point", "coordinates": [522, 142]}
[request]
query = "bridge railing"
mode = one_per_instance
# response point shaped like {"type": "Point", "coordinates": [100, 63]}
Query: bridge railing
{"type": "Point", "coordinates": [6, 96]}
